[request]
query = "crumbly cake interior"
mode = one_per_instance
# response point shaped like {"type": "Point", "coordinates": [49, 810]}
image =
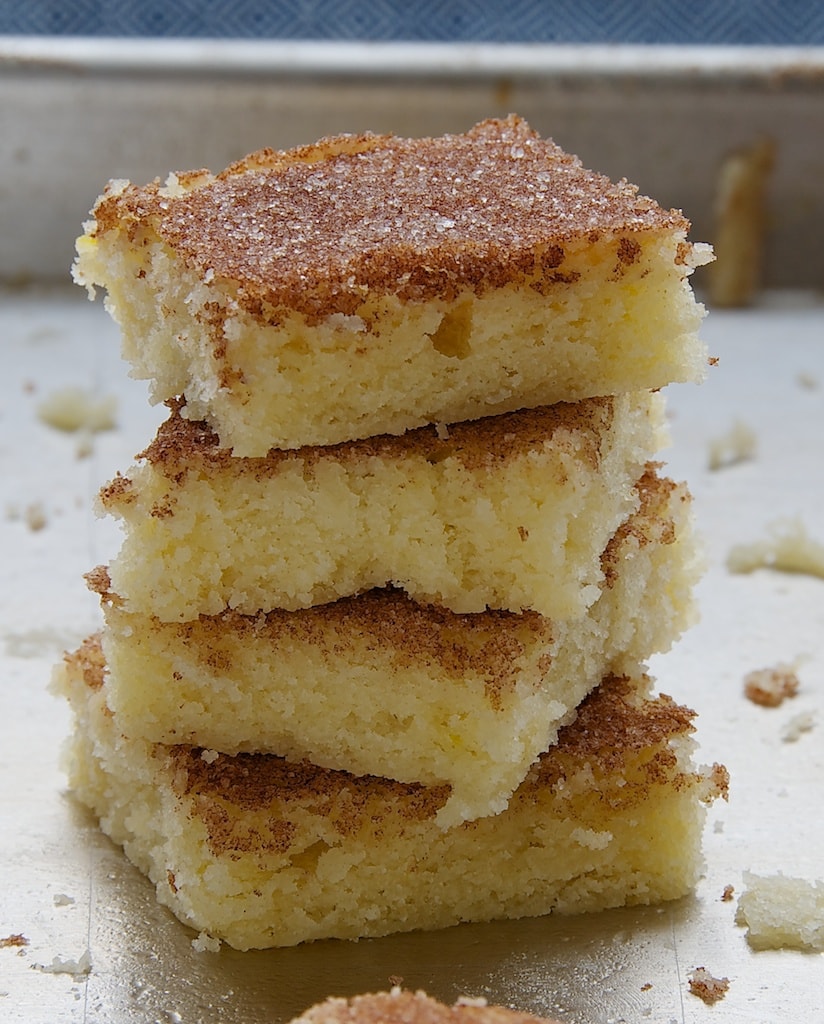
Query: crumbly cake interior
{"type": "Point", "coordinates": [372, 284]}
{"type": "Point", "coordinates": [473, 699]}
{"type": "Point", "coordinates": [260, 852]}
{"type": "Point", "coordinates": [507, 512]}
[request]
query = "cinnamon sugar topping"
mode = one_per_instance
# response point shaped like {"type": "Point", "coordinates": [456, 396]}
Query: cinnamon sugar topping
{"type": "Point", "coordinates": [181, 444]}
{"type": "Point", "coordinates": [318, 229]}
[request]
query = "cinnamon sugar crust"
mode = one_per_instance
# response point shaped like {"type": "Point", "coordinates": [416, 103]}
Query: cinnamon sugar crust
{"type": "Point", "coordinates": [89, 661]}
{"type": "Point", "coordinates": [403, 1007]}
{"type": "Point", "coordinates": [609, 730]}
{"type": "Point", "coordinates": [182, 444]}
{"type": "Point", "coordinates": [316, 229]}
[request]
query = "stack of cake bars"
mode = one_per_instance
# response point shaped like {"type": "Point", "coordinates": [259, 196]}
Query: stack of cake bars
{"type": "Point", "coordinates": [374, 644]}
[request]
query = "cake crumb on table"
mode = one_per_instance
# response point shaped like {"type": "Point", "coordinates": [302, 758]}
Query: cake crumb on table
{"type": "Point", "coordinates": [781, 912]}
{"type": "Point", "coordinates": [68, 965]}
{"type": "Point", "coordinates": [770, 687]}
{"type": "Point", "coordinates": [797, 725]}
{"type": "Point", "coordinates": [35, 516]}
{"type": "Point", "coordinates": [205, 943]}
{"type": "Point", "coordinates": [738, 445]}
{"type": "Point", "coordinates": [74, 409]}
{"type": "Point", "coordinates": [14, 941]}
{"type": "Point", "coordinates": [727, 894]}
{"type": "Point", "coordinates": [788, 548]}
{"type": "Point", "coordinates": [706, 987]}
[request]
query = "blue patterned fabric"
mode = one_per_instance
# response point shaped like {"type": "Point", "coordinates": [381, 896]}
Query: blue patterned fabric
{"type": "Point", "coordinates": [696, 22]}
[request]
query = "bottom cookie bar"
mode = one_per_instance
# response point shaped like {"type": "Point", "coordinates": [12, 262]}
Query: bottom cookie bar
{"type": "Point", "coordinates": [259, 852]}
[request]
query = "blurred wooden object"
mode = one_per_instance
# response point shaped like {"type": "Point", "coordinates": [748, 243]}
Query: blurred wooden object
{"type": "Point", "coordinates": [741, 224]}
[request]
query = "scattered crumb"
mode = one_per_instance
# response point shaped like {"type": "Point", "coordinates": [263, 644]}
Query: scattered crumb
{"type": "Point", "coordinates": [35, 517]}
{"type": "Point", "coordinates": [727, 894]}
{"type": "Point", "coordinates": [205, 943]}
{"type": "Point", "coordinates": [395, 980]}
{"type": "Point", "coordinates": [14, 941]}
{"type": "Point", "coordinates": [646, 987]}
{"type": "Point", "coordinates": [807, 380]}
{"type": "Point", "coordinates": [797, 725]}
{"type": "Point", "coordinates": [770, 687]}
{"type": "Point", "coordinates": [73, 409]}
{"type": "Point", "coordinates": [740, 224]}
{"type": "Point", "coordinates": [781, 912]}
{"type": "Point", "coordinates": [706, 987]}
{"type": "Point", "coordinates": [68, 965]}
{"type": "Point", "coordinates": [62, 900]}
{"type": "Point", "coordinates": [788, 549]}
{"type": "Point", "coordinates": [85, 443]}
{"type": "Point", "coordinates": [738, 445]}
{"type": "Point", "coordinates": [718, 826]}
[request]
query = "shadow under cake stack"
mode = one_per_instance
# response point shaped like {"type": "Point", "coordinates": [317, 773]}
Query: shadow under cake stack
{"type": "Point", "coordinates": [374, 644]}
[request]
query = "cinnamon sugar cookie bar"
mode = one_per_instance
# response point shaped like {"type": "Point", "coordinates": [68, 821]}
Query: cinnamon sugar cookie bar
{"type": "Point", "coordinates": [259, 852]}
{"type": "Point", "coordinates": [370, 284]}
{"type": "Point", "coordinates": [510, 511]}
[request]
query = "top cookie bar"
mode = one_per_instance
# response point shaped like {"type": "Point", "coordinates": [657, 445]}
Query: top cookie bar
{"type": "Point", "coordinates": [371, 284]}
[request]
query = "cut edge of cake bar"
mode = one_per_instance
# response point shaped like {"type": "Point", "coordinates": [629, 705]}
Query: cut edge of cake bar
{"type": "Point", "coordinates": [374, 284]}
{"type": "Point", "coordinates": [258, 852]}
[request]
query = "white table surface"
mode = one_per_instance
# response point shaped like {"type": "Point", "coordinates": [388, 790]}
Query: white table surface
{"type": "Point", "coordinates": [69, 891]}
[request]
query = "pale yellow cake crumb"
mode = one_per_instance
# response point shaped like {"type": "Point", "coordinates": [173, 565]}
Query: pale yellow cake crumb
{"type": "Point", "coordinates": [788, 548]}
{"type": "Point", "coordinates": [799, 724]}
{"type": "Point", "coordinates": [205, 943]}
{"type": "Point", "coordinates": [77, 409]}
{"type": "Point", "coordinates": [741, 224]}
{"type": "Point", "coordinates": [780, 912]}
{"type": "Point", "coordinates": [35, 516]}
{"type": "Point", "coordinates": [738, 445]}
